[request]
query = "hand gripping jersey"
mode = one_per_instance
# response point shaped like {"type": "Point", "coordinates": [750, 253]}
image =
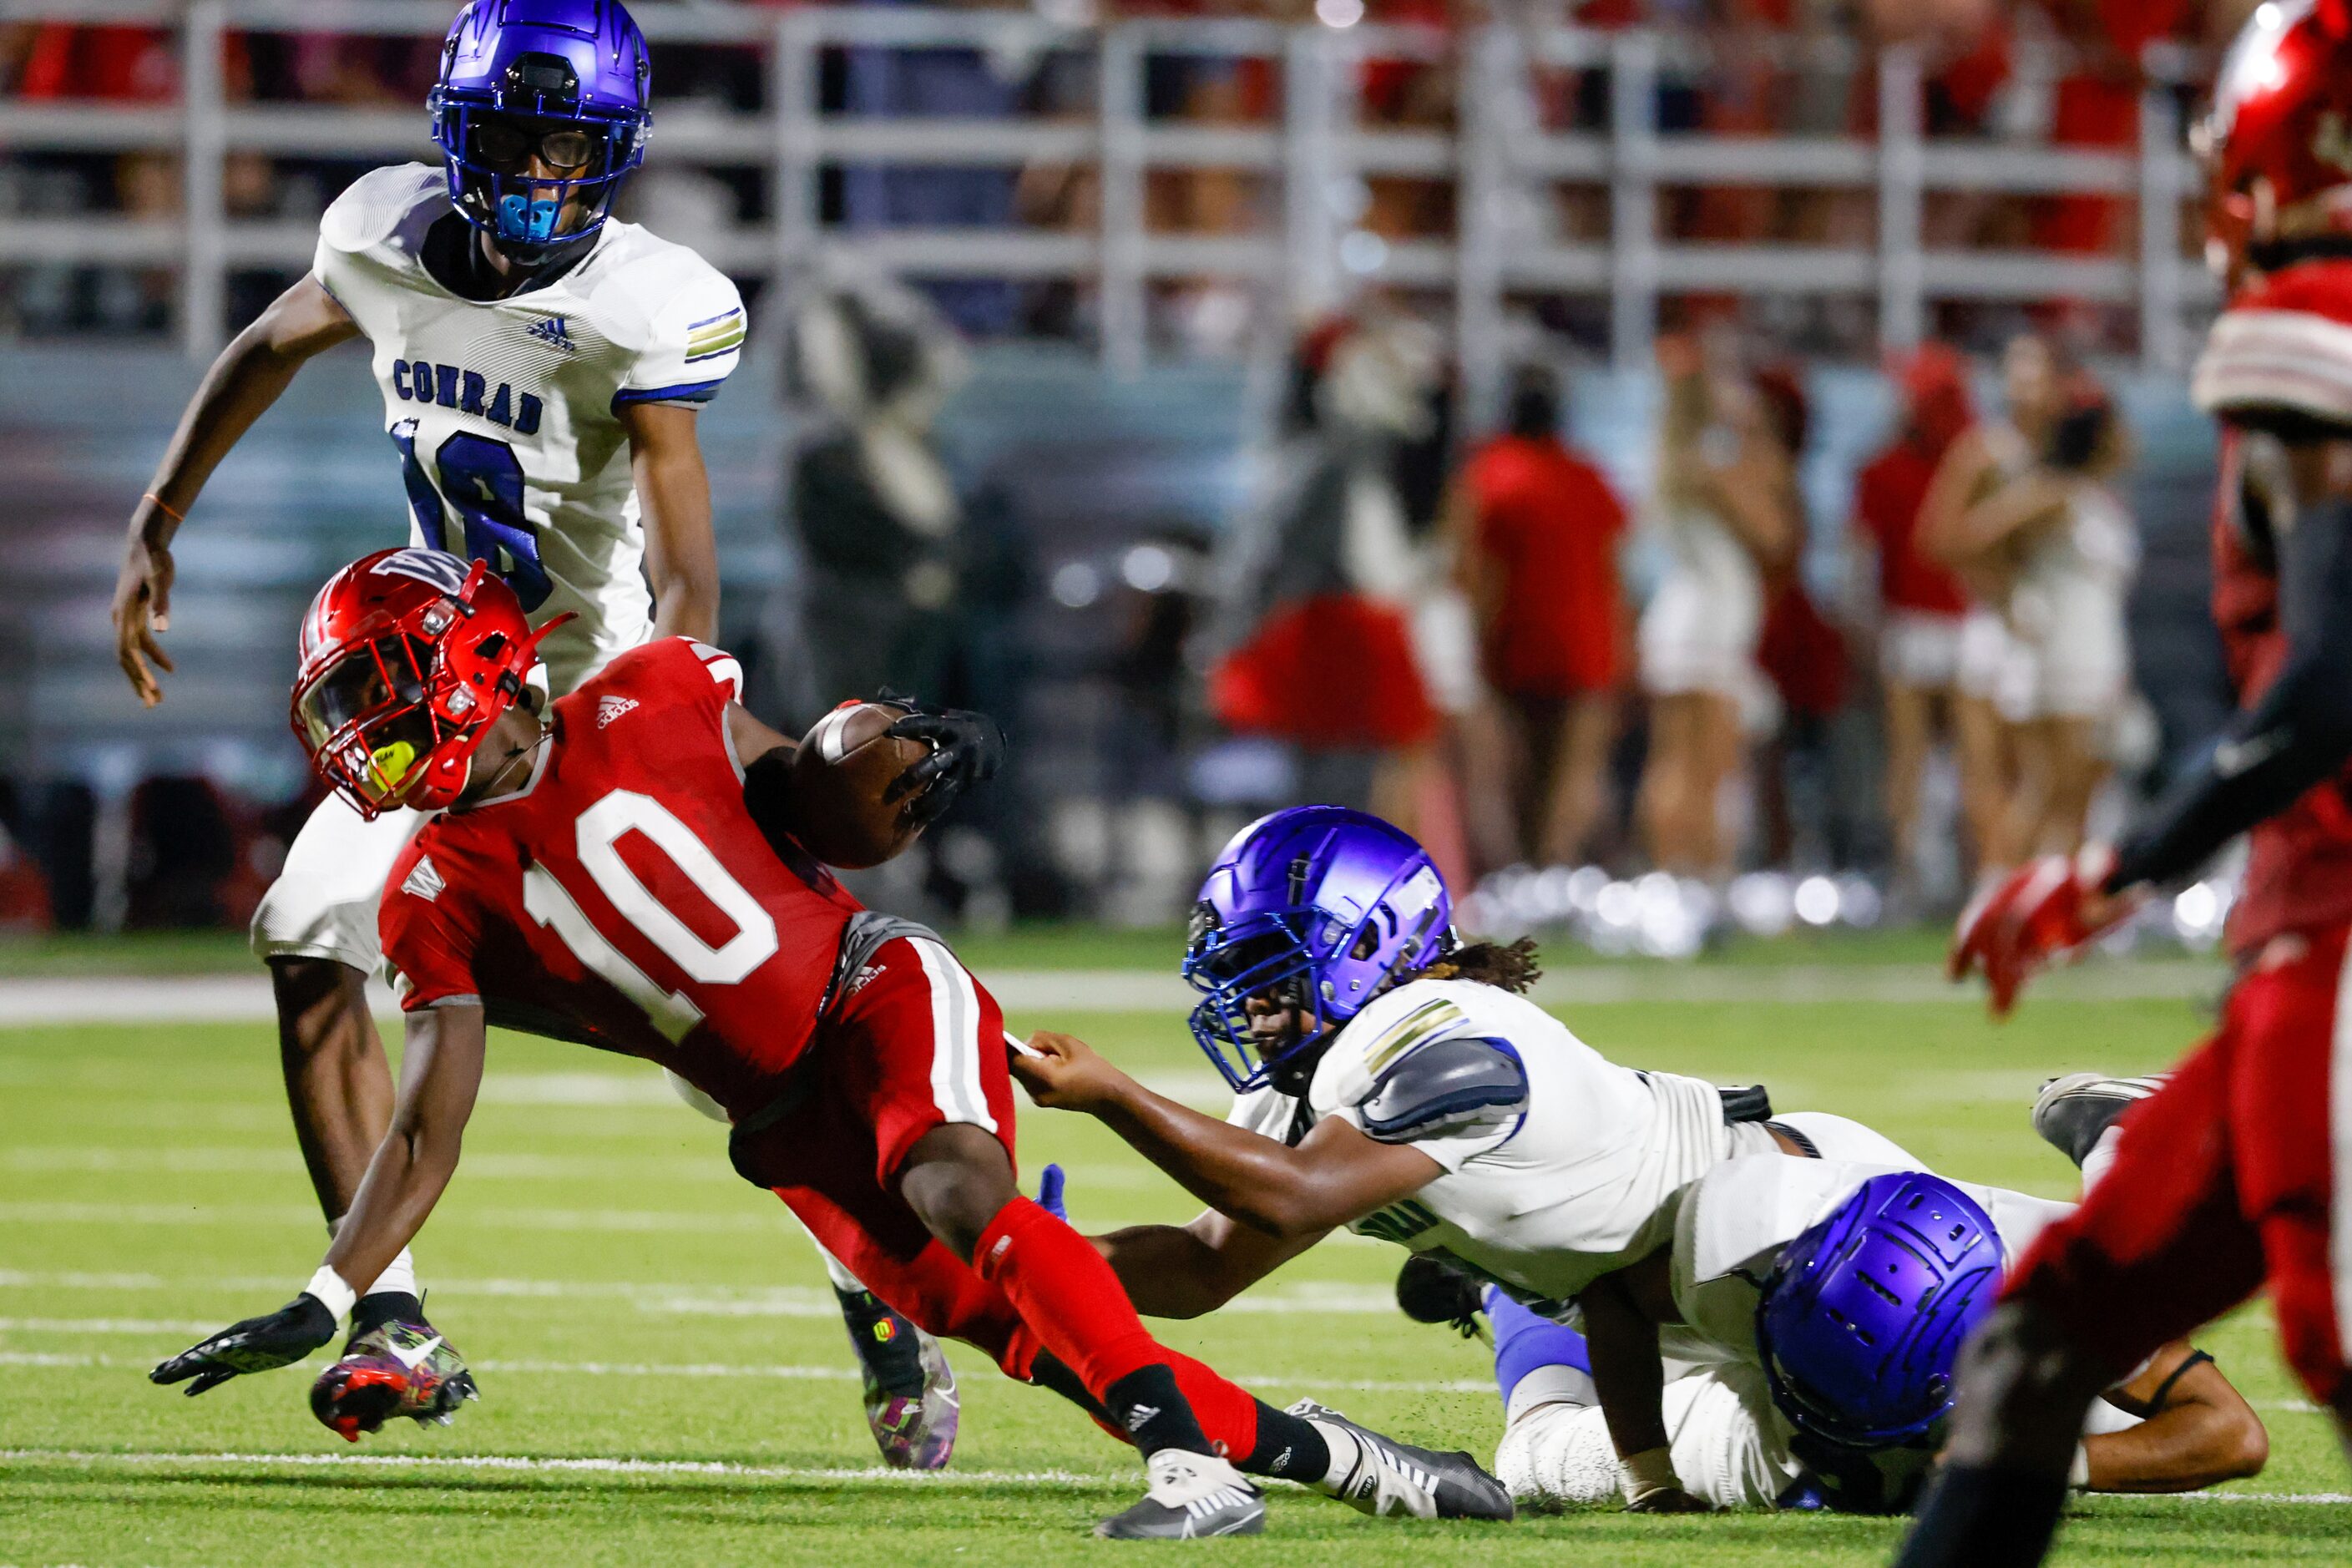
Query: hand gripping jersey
{"type": "Point", "coordinates": [1558, 1163]}
{"type": "Point", "coordinates": [2284, 347]}
{"type": "Point", "coordinates": [506, 412]}
{"type": "Point", "coordinates": [622, 895]}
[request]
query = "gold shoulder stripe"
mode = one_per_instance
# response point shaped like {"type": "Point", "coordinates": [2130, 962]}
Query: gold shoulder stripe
{"type": "Point", "coordinates": [1429, 1019]}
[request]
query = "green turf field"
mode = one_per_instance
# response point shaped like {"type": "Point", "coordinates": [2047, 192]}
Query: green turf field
{"type": "Point", "coordinates": [664, 1378]}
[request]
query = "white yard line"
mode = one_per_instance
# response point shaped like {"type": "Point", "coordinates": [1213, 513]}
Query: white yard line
{"type": "Point", "coordinates": [787, 1371]}
{"type": "Point", "coordinates": [1036, 995]}
{"type": "Point", "coordinates": [728, 1469]}
{"type": "Point", "coordinates": [678, 1299]}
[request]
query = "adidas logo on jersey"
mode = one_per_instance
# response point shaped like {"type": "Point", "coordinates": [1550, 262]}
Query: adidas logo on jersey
{"type": "Point", "coordinates": [860, 981]}
{"type": "Point", "coordinates": [610, 708]}
{"type": "Point", "coordinates": [424, 879]}
{"type": "Point", "coordinates": [552, 331]}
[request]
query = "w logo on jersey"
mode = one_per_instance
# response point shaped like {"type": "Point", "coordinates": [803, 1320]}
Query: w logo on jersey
{"type": "Point", "coordinates": [552, 331]}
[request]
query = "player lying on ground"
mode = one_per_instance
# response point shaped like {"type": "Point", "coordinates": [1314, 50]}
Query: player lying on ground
{"type": "Point", "coordinates": [542, 367]}
{"type": "Point", "coordinates": [598, 877]}
{"type": "Point", "coordinates": [1398, 1085]}
{"type": "Point", "coordinates": [1793, 1347]}
{"type": "Point", "coordinates": [2235, 1175]}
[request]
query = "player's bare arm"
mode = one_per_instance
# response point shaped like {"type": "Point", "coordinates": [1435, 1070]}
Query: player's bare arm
{"type": "Point", "coordinates": [1622, 1313]}
{"type": "Point", "coordinates": [1335, 1174]}
{"type": "Point", "coordinates": [673, 491]}
{"type": "Point", "coordinates": [244, 380]}
{"type": "Point", "coordinates": [1191, 1270]}
{"type": "Point", "coordinates": [2197, 1430]}
{"type": "Point", "coordinates": [441, 1073]}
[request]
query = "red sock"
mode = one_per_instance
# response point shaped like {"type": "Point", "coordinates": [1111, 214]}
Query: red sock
{"type": "Point", "coordinates": [1072, 1302]}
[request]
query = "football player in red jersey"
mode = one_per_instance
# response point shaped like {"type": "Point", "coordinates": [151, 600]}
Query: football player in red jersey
{"type": "Point", "coordinates": [2238, 1172]}
{"type": "Point", "coordinates": [598, 874]}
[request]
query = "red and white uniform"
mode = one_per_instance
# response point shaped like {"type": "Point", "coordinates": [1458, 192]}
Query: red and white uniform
{"type": "Point", "coordinates": [623, 897]}
{"type": "Point", "coordinates": [2239, 1174]}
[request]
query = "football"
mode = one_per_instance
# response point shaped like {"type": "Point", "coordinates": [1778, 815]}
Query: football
{"type": "Point", "coordinates": [841, 780]}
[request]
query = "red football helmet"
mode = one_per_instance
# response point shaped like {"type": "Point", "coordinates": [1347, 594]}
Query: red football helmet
{"type": "Point", "coordinates": [408, 657]}
{"type": "Point", "coordinates": [2278, 141]}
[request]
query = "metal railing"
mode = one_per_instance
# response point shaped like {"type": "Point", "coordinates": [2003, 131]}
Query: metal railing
{"type": "Point", "coordinates": [1496, 154]}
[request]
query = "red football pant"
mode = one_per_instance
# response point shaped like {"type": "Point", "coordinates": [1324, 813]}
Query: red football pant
{"type": "Point", "coordinates": [917, 1045]}
{"type": "Point", "coordinates": [2230, 1176]}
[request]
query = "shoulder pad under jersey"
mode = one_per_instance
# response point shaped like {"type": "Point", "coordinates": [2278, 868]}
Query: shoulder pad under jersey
{"type": "Point", "coordinates": [381, 201]}
{"type": "Point", "coordinates": [2279, 356]}
{"type": "Point", "coordinates": [1467, 1084]}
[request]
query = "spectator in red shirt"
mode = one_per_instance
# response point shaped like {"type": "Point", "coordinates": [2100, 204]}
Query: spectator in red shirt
{"type": "Point", "coordinates": [1539, 528]}
{"type": "Point", "coordinates": [1920, 603]}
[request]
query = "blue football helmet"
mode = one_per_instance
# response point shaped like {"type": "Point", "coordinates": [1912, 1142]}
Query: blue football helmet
{"type": "Point", "coordinates": [539, 111]}
{"type": "Point", "coordinates": [1864, 1315]}
{"type": "Point", "coordinates": [1320, 908]}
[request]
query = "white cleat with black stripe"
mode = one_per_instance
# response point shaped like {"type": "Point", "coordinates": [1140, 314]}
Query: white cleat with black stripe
{"type": "Point", "coordinates": [1193, 1496]}
{"type": "Point", "coordinates": [1389, 1479]}
{"type": "Point", "coordinates": [2073, 1112]}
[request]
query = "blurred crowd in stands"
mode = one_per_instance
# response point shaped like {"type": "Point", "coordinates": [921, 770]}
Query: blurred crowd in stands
{"type": "Point", "coordinates": [1607, 711]}
{"type": "Point", "coordinates": [2059, 73]}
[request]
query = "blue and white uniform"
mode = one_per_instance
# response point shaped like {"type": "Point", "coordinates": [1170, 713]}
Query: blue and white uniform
{"type": "Point", "coordinates": [505, 416]}
{"type": "Point", "coordinates": [1731, 1446]}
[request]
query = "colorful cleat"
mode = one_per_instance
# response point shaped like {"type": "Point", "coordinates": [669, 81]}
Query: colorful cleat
{"type": "Point", "coordinates": [397, 1369]}
{"type": "Point", "coordinates": [911, 1391]}
{"type": "Point", "coordinates": [2072, 1113]}
{"type": "Point", "coordinates": [1192, 1497]}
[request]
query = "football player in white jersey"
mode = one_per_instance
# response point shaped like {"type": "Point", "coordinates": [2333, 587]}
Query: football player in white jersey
{"type": "Point", "coordinates": [1397, 1085]}
{"type": "Point", "coordinates": [1802, 1327]}
{"type": "Point", "coordinates": [542, 364]}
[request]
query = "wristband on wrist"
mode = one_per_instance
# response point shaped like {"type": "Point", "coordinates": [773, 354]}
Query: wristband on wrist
{"type": "Point", "coordinates": [331, 1289]}
{"type": "Point", "coordinates": [1650, 1471]}
{"type": "Point", "coordinates": [2078, 1474]}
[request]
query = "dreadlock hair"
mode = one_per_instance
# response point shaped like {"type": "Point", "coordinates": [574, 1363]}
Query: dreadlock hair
{"type": "Point", "coordinates": [1507, 966]}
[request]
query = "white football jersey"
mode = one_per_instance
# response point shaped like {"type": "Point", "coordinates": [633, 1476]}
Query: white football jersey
{"type": "Point", "coordinates": [1730, 1226]}
{"type": "Point", "coordinates": [1545, 1198]}
{"type": "Point", "coordinates": [507, 412]}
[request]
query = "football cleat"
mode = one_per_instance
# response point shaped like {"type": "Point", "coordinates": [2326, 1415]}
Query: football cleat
{"type": "Point", "coordinates": [1389, 1479]}
{"type": "Point", "coordinates": [397, 1369]}
{"type": "Point", "coordinates": [1429, 1289]}
{"type": "Point", "coordinates": [1193, 1496]}
{"type": "Point", "coordinates": [2073, 1113]}
{"type": "Point", "coordinates": [911, 1392]}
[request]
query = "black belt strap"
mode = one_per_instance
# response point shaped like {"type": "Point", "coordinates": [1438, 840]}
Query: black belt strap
{"type": "Point", "coordinates": [1752, 1103]}
{"type": "Point", "coordinates": [1805, 1145]}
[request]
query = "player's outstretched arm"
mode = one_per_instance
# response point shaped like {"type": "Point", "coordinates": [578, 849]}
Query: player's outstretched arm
{"type": "Point", "coordinates": [441, 1071]}
{"type": "Point", "coordinates": [2198, 1430]}
{"type": "Point", "coordinates": [243, 382]}
{"type": "Point", "coordinates": [1191, 1270]}
{"type": "Point", "coordinates": [1335, 1174]}
{"type": "Point", "coordinates": [673, 498]}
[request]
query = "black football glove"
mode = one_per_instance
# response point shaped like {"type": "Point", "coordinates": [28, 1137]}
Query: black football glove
{"type": "Point", "coordinates": [256, 1345]}
{"type": "Point", "coordinates": [966, 748]}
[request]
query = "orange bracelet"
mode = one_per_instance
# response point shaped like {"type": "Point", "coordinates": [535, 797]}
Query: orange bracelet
{"type": "Point", "coordinates": [164, 507]}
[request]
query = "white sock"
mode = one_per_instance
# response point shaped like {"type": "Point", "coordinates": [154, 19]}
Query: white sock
{"type": "Point", "coordinates": [2102, 1156]}
{"type": "Point", "coordinates": [399, 1276]}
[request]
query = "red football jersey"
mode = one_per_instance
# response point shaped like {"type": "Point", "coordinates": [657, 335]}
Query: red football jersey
{"type": "Point", "coordinates": [622, 895]}
{"type": "Point", "coordinates": [2283, 344]}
